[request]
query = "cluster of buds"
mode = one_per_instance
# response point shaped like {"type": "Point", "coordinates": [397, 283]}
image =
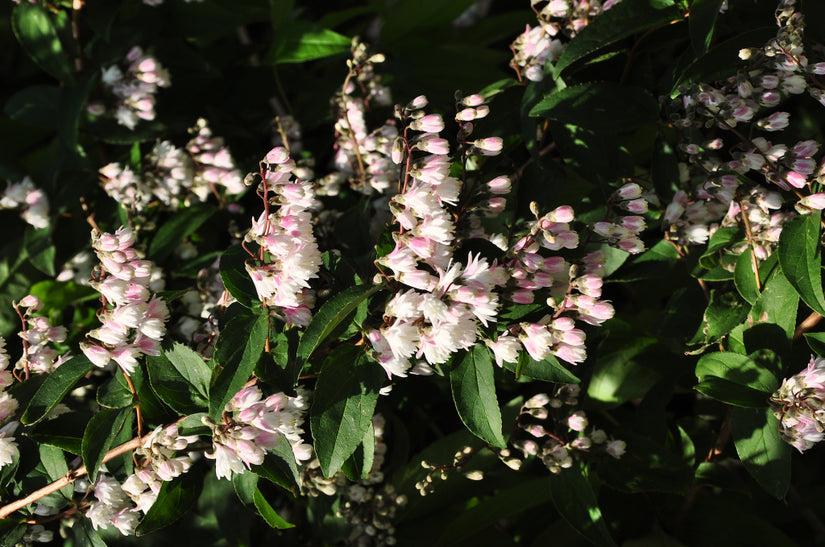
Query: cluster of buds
{"type": "Point", "coordinates": [436, 314]}
{"type": "Point", "coordinates": [623, 232]}
{"type": "Point", "coordinates": [288, 255]}
{"type": "Point", "coordinates": [112, 506]}
{"type": "Point", "coordinates": [460, 459]}
{"type": "Point", "coordinates": [134, 87]}
{"type": "Point", "coordinates": [133, 322]}
{"type": "Point", "coordinates": [362, 157]}
{"type": "Point", "coordinates": [39, 357]}
{"type": "Point", "coordinates": [31, 200]}
{"type": "Point", "coordinates": [760, 210]}
{"type": "Point", "coordinates": [556, 433]}
{"type": "Point", "coordinates": [174, 176]}
{"type": "Point", "coordinates": [198, 322]}
{"type": "Point", "coordinates": [8, 405]}
{"type": "Point", "coordinates": [158, 462]}
{"type": "Point", "coordinates": [252, 426]}
{"type": "Point", "coordinates": [559, 21]}
{"type": "Point", "coordinates": [799, 404]}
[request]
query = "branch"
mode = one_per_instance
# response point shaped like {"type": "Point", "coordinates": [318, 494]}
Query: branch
{"type": "Point", "coordinates": [67, 479]}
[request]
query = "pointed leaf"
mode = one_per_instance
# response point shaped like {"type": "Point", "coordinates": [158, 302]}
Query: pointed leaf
{"type": "Point", "coordinates": [174, 499]}
{"type": "Point", "coordinates": [576, 503]}
{"type": "Point", "coordinates": [600, 106]}
{"type": "Point", "coordinates": [36, 32]}
{"type": "Point", "coordinates": [179, 227]}
{"type": "Point", "coordinates": [334, 310]}
{"type": "Point", "coordinates": [268, 513]}
{"type": "Point", "coordinates": [547, 370]}
{"type": "Point", "coordinates": [345, 398]}
{"type": "Point", "coordinates": [279, 467]}
{"type": "Point", "coordinates": [766, 457]}
{"type": "Point", "coordinates": [304, 41]}
{"type": "Point", "coordinates": [84, 534]}
{"type": "Point", "coordinates": [474, 393]}
{"type": "Point", "coordinates": [740, 369]}
{"type": "Point", "coordinates": [55, 387]}
{"type": "Point", "coordinates": [799, 257]}
{"type": "Point", "coordinates": [172, 387]}
{"type": "Point", "coordinates": [744, 276]}
{"type": "Point", "coordinates": [236, 279]}
{"type": "Point", "coordinates": [622, 20]}
{"type": "Point", "coordinates": [702, 20]}
{"type": "Point", "coordinates": [731, 392]}
{"type": "Point", "coordinates": [191, 366]}
{"type": "Point", "coordinates": [237, 351]}
{"type": "Point", "coordinates": [99, 436]}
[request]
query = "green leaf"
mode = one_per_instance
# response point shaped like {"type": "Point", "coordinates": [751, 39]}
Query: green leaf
{"type": "Point", "coordinates": [331, 314]}
{"type": "Point", "coordinates": [191, 366]}
{"type": "Point", "coordinates": [173, 388]}
{"type": "Point", "coordinates": [174, 499]}
{"type": "Point", "coordinates": [55, 464]}
{"type": "Point", "coordinates": [744, 277]}
{"type": "Point", "coordinates": [268, 513]}
{"type": "Point", "coordinates": [84, 534]}
{"type": "Point", "coordinates": [622, 20]}
{"type": "Point", "coordinates": [777, 305]}
{"type": "Point", "coordinates": [702, 20]}
{"type": "Point", "coordinates": [40, 249]}
{"type": "Point", "coordinates": [245, 485]}
{"type": "Point", "coordinates": [98, 437]}
{"type": "Point", "coordinates": [237, 351]}
{"type": "Point", "coordinates": [182, 224]}
{"type": "Point", "coordinates": [547, 370]}
{"type": "Point", "coordinates": [359, 464]}
{"type": "Point", "coordinates": [193, 425]}
{"type": "Point", "coordinates": [35, 105]}
{"type": "Point", "coordinates": [725, 311]}
{"type": "Point", "coordinates": [576, 503]}
{"type": "Point", "coordinates": [799, 257]}
{"type": "Point", "coordinates": [746, 370]}
{"type": "Point", "coordinates": [279, 467]}
{"type": "Point", "coordinates": [55, 387]}
{"type": "Point", "coordinates": [816, 341]}
{"type": "Point", "coordinates": [766, 457]}
{"type": "Point", "coordinates": [656, 262]}
{"type": "Point", "coordinates": [236, 279]}
{"type": "Point", "coordinates": [345, 398]}
{"type": "Point", "coordinates": [600, 106]}
{"type": "Point", "coordinates": [720, 240]}
{"type": "Point", "coordinates": [731, 392]}
{"type": "Point", "coordinates": [36, 32]}
{"type": "Point", "coordinates": [115, 393]}
{"type": "Point", "coordinates": [474, 392]}
{"type": "Point", "coordinates": [304, 41]}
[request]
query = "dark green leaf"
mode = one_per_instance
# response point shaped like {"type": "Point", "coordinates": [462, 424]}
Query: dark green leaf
{"type": "Point", "coordinates": [174, 499]}
{"type": "Point", "coordinates": [55, 387]}
{"type": "Point", "coordinates": [621, 21]}
{"type": "Point", "coordinates": [547, 370]}
{"type": "Point", "coordinates": [731, 392]}
{"type": "Point", "coordinates": [40, 249]}
{"type": "Point", "coordinates": [702, 20]}
{"type": "Point", "coordinates": [744, 277]}
{"type": "Point", "coordinates": [600, 106]}
{"type": "Point", "coordinates": [816, 341]}
{"type": "Point", "coordinates": [656, 262]}
{"type": "Point", "coordinates": [237, 351]}
{"type": "Point", "coordinates": [84, 534]}
{"type": "Point", "coordinates": [36, 32]}
{"type": "Point", "coordinates": [245, 485]}
{"type": "Point", "coordinates": [720, 240]}
{"type": "Point", "coordinates": [115, 393]}
{"type": "Point", "coordinates": [725, 311]}
{"type": "Point", "coordinates": [236, 278]}
{"type": "Point", "coordinates": [359, 464]}
{"type": "Point", "coordinates": [748, 371]}
{"type": "Point", "coordinates": [98, 437]}
{"type": "Point", "coordinates": [173, 388]}
{"type": "Point", "coordinates": [191, 366]}
{"type": "Point", "coordinates": [279, 467]}
{"type": "Point", "coordinates": [777, 305]}
{"type": "Point", "coordinates": [55, 464]}
{"type": "Point", "coordinates": [576, 503]}
{"type": "Point", "coordinates": [331, 314]}
{"type": "Point", "coordinates": [766, 457]}
{"type": "Point", "coordinates": [799, 257]}
{"type": "Point", "coordinates": [182, 224]}
{"type": "Point", "coordinates": [193, 425]}
{"type": "Point", "coordinates": [345, 398]}
{"type": "Point", "coordinates": [474, 393]}
{"type": "Point", "coordinates": [35, 105]}
{"type": "Point", "coordinates": [304, 41]}
{"type": "Point", "coordinates": [268, 513]}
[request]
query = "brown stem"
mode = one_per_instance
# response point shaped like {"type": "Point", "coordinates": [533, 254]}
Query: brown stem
{"type": "Point", "coordinates": [76, 6]}
{"type": "Point", "coordinates": [807, 324]}
{"type": "Point", "coordinates": [138, 414]}
{"type": "Point", "coordinates": [749, 234]}
{"type": "Point", "coordinates": [67, 479]}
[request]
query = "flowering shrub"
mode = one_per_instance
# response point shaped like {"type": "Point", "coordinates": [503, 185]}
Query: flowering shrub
{"type": "Point", "coordinates": [470, 272]}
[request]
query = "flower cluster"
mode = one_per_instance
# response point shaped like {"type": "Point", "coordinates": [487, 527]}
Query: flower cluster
{"type": "Point", "coordinates": [39, 357]}
{"type": "Point", "coordinates": [288, 255]}
{"type": "Point", "coordinates": [799, 404]}
{"type": "Point", "coordinates": [362, 157]}
{"type": "Point", "coordinates": [8, 405]}
{"type": "Point", "coordinates": [251, 426]}
{"type": "Point", "coordinates": [134, 323]}
{"type": "Point", "coordinates": [623, 232]}
{"type": "Point", "coordinates": [559, 21]}
{"type": "Point", "coordinates": [557, 434]}
{"type": "Point", "coordinates": [112, 506]}
{"type": "Point", "coordinates": [134, 87]}
{"type": "Point", "coordinates": [32, 201]}
{"type": "Point", "coordinates": [174, 176]}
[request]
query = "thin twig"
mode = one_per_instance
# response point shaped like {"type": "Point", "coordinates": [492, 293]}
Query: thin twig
{"type": "Point", "coordinates": [807, 324]}
{"type": "Point", "coordinates": [67, 479]}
